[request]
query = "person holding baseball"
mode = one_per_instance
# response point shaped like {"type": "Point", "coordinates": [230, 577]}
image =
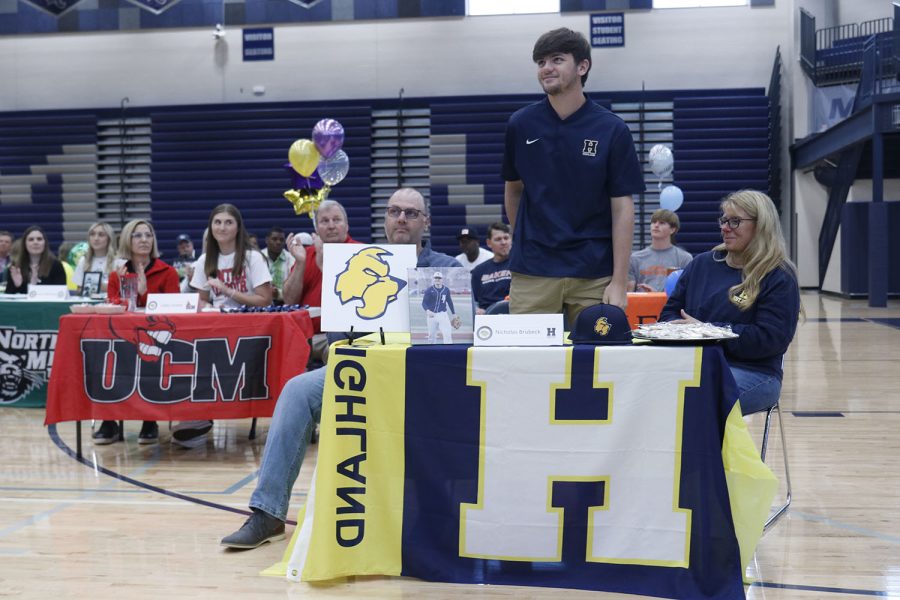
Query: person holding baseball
{"type": "Point", "coordinates": [438, 307]}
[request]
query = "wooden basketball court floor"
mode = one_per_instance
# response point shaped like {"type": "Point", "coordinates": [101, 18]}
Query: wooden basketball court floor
{"type": "Point", "coordinates": [105, 529]}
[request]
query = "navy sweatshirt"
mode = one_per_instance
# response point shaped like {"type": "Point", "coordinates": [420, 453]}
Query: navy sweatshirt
{"type": "Point", "coordinates": [766, 328]}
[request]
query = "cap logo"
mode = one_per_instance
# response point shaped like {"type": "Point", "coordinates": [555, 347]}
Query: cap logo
{"type": "Point", "coordinates": [601, 324]}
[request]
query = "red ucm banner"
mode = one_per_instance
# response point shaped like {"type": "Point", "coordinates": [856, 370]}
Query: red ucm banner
{"type": "Point", "coordinates": [174, 367]}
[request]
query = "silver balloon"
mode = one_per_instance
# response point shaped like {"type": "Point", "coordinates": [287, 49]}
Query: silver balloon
{"type": "Point", "coordinates": [333, 170]}
{"type": "Point", "coordinates": [661, 160]}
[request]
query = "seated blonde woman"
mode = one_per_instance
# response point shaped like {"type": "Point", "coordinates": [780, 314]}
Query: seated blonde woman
{"type": "Point", "coordinates": [137, 246]}
{"type": "Point", "coordinates": [100, 256]}
{"type": "Point", "coordinates": [746, 282]}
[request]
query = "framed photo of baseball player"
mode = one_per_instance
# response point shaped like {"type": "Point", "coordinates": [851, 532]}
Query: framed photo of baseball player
{"type": "Point", "coordinates": [440, 306]}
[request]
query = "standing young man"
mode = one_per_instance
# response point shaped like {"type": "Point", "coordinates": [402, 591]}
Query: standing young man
{"type": "Point", "coordinates": [571, 170]}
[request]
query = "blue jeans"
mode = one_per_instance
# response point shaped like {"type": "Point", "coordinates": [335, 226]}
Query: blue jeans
{"type": "Point", "coordinates": [298, 410]}
{"type": "Point", "coordinates": [756, 391]}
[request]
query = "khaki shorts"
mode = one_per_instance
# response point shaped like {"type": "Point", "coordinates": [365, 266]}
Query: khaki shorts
{"type": "Point", "coordinates": [568, 295]}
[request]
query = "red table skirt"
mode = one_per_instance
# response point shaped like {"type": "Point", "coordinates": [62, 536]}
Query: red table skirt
{"type": "Point", "coordinates": [174, 367]}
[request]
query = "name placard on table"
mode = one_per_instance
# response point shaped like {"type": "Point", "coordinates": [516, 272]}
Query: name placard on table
{"type": "Point", "coordinates": [519, 330]}
{"type": "Point", "coordinates": [43, 293]}
{"type": "Point", "coordinates": [158, 304]}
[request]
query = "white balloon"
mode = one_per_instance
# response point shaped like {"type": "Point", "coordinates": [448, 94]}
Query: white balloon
{"type": "Point", "coordinates": [661, 160]}
{"type": "Point", "coordinates": [333, 170]}
{"type": "Point", "coordinates": [671, 198]}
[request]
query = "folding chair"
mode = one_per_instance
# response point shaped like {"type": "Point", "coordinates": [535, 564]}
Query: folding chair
{"type": "Point", "coordinates": [762, 454]}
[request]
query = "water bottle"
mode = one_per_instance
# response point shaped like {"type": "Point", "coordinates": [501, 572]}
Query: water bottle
{"type": "Point", "coordinates": [129, 291]}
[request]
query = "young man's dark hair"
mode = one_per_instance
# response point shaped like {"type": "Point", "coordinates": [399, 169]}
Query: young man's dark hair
{"type": "Point", "coordinates": [498, 226]}
{"type": "Point", "coordinates": [667, 216]}
{"type": "Point", "coordinates": [564, 41]}
{"type": "Point", "coordinates": [275, 229]}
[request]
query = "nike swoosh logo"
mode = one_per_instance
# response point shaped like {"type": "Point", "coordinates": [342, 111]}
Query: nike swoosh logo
{"type": "Point", "coordinates": [530, 142]}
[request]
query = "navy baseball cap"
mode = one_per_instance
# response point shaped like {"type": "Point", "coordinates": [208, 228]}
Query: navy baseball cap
{"type": "Point", "coordinates": [182, 238]}
{"type": "Point", "coordinates": [601, 324]}
{"type": "Point", "coordinates": [467, 232]}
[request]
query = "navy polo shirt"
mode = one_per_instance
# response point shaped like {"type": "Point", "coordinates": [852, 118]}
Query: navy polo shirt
{"type": "Point", "coordinates": [570, 169]}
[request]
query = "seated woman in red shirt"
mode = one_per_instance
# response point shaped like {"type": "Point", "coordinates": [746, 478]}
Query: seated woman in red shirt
{"type": "Point", "coordinates": [137, 245]}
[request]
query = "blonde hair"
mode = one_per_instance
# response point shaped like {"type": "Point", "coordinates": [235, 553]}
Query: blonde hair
{"type": "Point", "coordinates": [110, 247]}
{"type": "Point", "coordinates": [766, 250]}
{"type": "Point", "coordinates": [125, 239]}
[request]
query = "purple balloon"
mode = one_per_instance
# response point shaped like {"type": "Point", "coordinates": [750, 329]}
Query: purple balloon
{"type": "Point", "coordinates": [299, 182]}
{"type": "Point", "coordinates": [328, 136]}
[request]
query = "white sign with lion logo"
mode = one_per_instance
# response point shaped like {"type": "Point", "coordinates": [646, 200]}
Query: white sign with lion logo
{"type": "Point", "coordinates": [364, 287]}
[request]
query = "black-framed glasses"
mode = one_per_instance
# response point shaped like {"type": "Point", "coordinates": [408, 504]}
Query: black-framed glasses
{"type": "Point", "coordinates": [732, 222]}
{"type": "Point", "coordinates": [411, 213]}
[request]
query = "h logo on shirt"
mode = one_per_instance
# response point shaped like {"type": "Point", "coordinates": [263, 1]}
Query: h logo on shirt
{"type": "Point", "coordinates": [590, 148]}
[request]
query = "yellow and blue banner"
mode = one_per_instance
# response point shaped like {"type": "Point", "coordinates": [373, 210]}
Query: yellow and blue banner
{"type": "Point", "coordinates": [622, 469]}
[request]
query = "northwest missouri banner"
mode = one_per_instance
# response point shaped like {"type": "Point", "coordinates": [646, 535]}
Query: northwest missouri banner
{"type": "Point", "coordinates": [27, 348]}
{"type": "Point", "coordinates": [622, 469]}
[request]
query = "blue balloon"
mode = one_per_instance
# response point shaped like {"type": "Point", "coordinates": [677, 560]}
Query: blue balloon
{"type": "Point", "coordinates": [671, 198]}
{"type": "Point", "coordinates": [671, 280]}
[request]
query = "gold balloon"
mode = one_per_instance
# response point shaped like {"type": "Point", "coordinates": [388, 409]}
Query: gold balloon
{"type": "Point", "coordinates": [304, 157]}
{"type": "Point", "coordinates": [307, 201]}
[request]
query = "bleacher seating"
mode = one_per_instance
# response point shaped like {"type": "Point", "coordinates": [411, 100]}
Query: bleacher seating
{"type": "Point", "coordinates": [841, 62]}
{"type": "Point", "coordinates": [720, 146]}
{"type": "Point", "coordinates": [834, 55]}
{"type": "Point", "coordinates": [45, 159]}
{"type": "Point", "coordinates": [203, 156]}
{"type": "Point", "coordinates": [466, 152]}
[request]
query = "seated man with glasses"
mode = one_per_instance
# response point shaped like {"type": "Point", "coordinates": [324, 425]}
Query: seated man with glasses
{"type": "Point", "coordinates": [299, 406]}
{"type": "Point", "coordinates": [748, 283]}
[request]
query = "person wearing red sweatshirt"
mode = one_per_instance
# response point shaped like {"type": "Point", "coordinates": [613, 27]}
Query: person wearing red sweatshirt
{"type": "Point", "coordinates": [137, 246]}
